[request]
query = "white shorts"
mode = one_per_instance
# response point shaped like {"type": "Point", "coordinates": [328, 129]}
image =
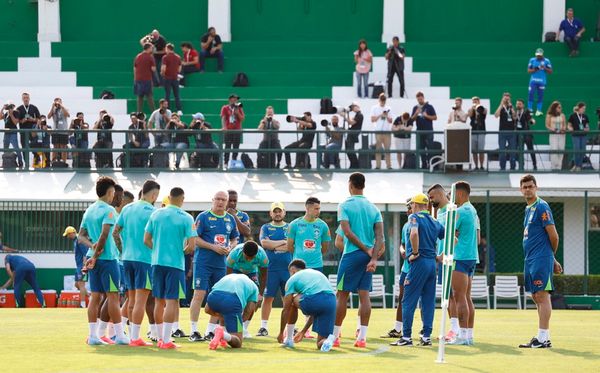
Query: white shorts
{"type": "Point", "coordinates": [402, 144]}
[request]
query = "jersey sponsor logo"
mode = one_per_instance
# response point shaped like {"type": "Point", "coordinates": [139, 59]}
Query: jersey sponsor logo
{"type": "Point", "coordinates": [220, 239]}
{"type": "Point", "coordinates": [309, 244]}
{"type": "Point", "coordinates": [210, 218]}
{"type": "Point", "coordinates": [538, 283]}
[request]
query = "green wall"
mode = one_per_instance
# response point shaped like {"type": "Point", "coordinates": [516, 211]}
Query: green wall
{"type": "Point", "coordinates": [118, 20]}
{"type": "Point", "coordinates": [587, 11]}
{"type": "Point", "coordinates": [473, 20]}
{"type": "Point", "coordinates": [19, 20]}
{"type": "Point", "coordinates": [299, 20]}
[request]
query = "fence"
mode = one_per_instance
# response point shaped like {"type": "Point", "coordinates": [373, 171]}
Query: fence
{"type": "Point", "coordinates": [204, 149]}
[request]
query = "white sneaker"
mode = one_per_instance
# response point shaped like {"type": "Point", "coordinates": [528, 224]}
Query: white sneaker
{"type": "Point", "coordinates": [247, 334]}
{"type": "Point", "coordinates": [179, 76]}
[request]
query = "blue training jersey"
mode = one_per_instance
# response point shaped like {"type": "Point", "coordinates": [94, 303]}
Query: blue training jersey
{"type": "Point", "coordinates": [237, 261]}
{"type": "Point", "coordinates": [308, 282]}
{"type": "Point", "coordinates": [94, 218]}
{"type": "Point", "coordinates": [536, 243]}
{"type": "Point", "coordinates": [240, 285]}
{"type": "Point", "coordinates": [17, 262]}
{"type": "Point", "coordinates": [466, 226]}
{"type": "Point", "coordinates": [80, 251]}
{"type": "Point", "coordinates": [362, 216]}
{"type": "Point", "coordinates": [278, 260]}
{"type": "Point", "coordinates": [214, 229]}
{"type": "Point", "coordinates": [539, 76]}
{"type": "Point", "coordinates": [308, 238]}
{"type": "Point", "coordinates": [404, 240]}
{"type": "Point", "coordinates": [429, 231]}
{"type": "Point", "coordinates": [132, 220]}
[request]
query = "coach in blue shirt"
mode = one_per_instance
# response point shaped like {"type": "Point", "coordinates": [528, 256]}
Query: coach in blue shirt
{"type": "Point", "coordinates": [573, 29]}
{"type": "Point", "coordinates": [20, 269]}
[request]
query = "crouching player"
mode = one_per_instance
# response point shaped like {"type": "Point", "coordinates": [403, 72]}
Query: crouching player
{"type": "Point", "coordinates": [233, 300]}
{"type": "Point", "coordinates": [310, 291]}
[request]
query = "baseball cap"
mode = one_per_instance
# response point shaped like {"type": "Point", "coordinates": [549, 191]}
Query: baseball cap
{"type": "Point", "coordinates": [69, 230]}
{"type": "Point", "coordinates": [420, 199]}
{"type": "Point", "coordinates": [277, 205]}
{"type": "Point", "coordinates": [166, 201]}
{"type": "Point", "coordinates": [198, 116]}
{"type": "Point", "coordinates": [234, 95]}
{"type": "Point", "coordinates": [539, 52]}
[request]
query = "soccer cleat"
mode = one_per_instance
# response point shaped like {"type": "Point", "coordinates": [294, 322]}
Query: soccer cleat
{"type": "Point", "coordinates": [247, 334]}
{"type": "Point", "coordinates": [450, 336]}
{"type": "Point", "coordinates": [208, 337]}
{"type": "Point", "coordinates": [107, 340]}
{"type": "Point", "coordinates": [262, 332]}
{"type": "Point", "coordinates": [425, 342]}
{"type": "Point", "coordinates": [421, 332]}
{"type": "Point", "coordinates": [326, 346]}
{"type": "Point", "coordinates": [178, 334]}
{"type": "Point", "coordinates": [538, 113]}
{"type": "Point", "coordinates": [223, 343]}
{"type": "Point", "coordinates": [196, 337]}
{"type": "Point", "coordinates": [308, 335]}
{"type": "Point", "coordinates": [288, 343]}
{"type": "Point", "coordinates": [458, 342]}
{"type": "Point", "coordinates": [216, 341]}
{"type": "Point", "coordinates": [95, 341]}
{"type": "Point", "coordinates": [360, 343]}
{"type": "Point", "coordinates": [139, 343]}
{"type": "Point", "coordinates": [470, 342]}
{"type": "Point", "coordinates": [168, 346]}
{"type": "Point", "coordinates": [123, 341]}
{"type": "Point", "coordinates": [402, 342]}
{"type": "Point", "coordinates": [336, 343]}
{"type": "Point", "coordinates": [392, 334]}
{"type": "Point", "coordinates": [535, 343]}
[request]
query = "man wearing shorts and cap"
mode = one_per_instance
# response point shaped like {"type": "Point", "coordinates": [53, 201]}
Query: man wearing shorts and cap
{"type": "Point", "coordinates": [539, 66]}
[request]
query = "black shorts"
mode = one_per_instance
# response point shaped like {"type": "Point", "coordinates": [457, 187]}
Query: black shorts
{"type": "Point", "coordinates": [60, 139]}
{"type": "Point", "coordinates": [233, 138]}
{"type": "Point", "coordinates": [142, 87]}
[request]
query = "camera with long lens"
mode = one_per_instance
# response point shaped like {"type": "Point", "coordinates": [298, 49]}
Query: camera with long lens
{"type": "Point", "coordinates": [292, 118]}
{"type": "Point", "coordinates": [140, 115]}
{"type": "Point", "coordinates": [106, 123]}
{"type": "Point", "coordinates": [324, 123]}
{"type": "Point", "coordinates": [238, 105]}
{"type": "Point", "coordinates": [9, 107]}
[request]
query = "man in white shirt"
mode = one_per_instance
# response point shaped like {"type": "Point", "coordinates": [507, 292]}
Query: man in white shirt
{"type": "Point", "coordinates": [381, 117]}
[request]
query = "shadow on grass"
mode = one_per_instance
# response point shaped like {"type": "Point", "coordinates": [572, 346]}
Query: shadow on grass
{"type": "Point", "coordinates": [483, 348]}
{"type": "Point", "coordinates": [180, 353]}
{"type": "Point", "coordinates": [588, 355]}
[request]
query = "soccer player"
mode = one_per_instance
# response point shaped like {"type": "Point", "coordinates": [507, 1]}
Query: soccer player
{"type": "Point", "coordinates": [242, 220]}
{"type": "Point", "coordinates": [310, 291]}
{"type": "Point", "coordinates": [249, 259]}
{"type": "Point", "coordinates": [169, 232]}
{"type": "Point", "coordinates": [217, 235]}
{"type": "Point", "coordinates": [396, 331]}
{"type": "Point", "coordinates": [129, 238]}
{"type": "Point", "coordinates": [96, 226]}
{"type": "Point", "coordinates": [80, 249]}
{"type": "Point", "coordinates": [233, 300]}
{"type": "Point", "coordinates": [420, 280]}
{"type": "Point", "coordinates": [20, 269]}
{"type": "Point", "coordinates": [362, 225]}
{"type": "Point", "coordinates": [273, 238]}
{"type": "Point", "coordinates": [465, 259]}
{"type": "Point", "coordinates": [308, 236]}
{"type": "Point", "coordinates": [538, 67]}
{"type": "Point", "coordinates": [540, 242]}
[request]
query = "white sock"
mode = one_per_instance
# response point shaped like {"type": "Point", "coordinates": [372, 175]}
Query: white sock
{"type": "Point", "coordinates": [454, 324]}
{"type": "Point", "coordinates": [469, 333]}
{"type": "Point", "coordinates": [93, 330]}
{"type": "Point", "coordinates": [263, 323]}
{"type": "Point", "coordinates": [166, 334]}
{"type": "Point", "coordinates": [226, 336]}
{"type": "Point", "coordinates": [119, 330]}
{"type": "Point", "coordinates": [246, 323]}
{"type": "Point", "coordinates": [331, 338]}
{"type": "Point", "coordinates": [159, 330]}
{"type": "Point", "coordinates": [290, 331]}
{"type": "Point", "coordinates": [111, 330]}
{"type": "Point", "coordinates": [362, 334]}
{"type": "Point", "coordinates": [462, 333]}
{"type": "Point", "coordinates": [194, 326]}
{"type": "Point", "coordinates": [398, 326]}
{"type": "Point", "coordinates": [153, 331]}
{"type": "Point", "coordinates": [358, 323]}
{"type": "Point", "coordinates": [175, 326]}
{"type": "Point", "coordinates": [135, 331]}
{"type": "Point", "coordinates": [210, 328]}
{"type": "Point", "coordinates": [82, 304]}
{"type": "Point", "coordinates": [124, 321]}
{"type": "Point", "coordinates": [543, 335]}
{"type": "Point", "coordinates": [102, 328]}
{"type": "Point", "coordinates": [337, 330]}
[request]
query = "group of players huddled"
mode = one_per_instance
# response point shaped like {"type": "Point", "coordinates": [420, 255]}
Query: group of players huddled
{"type": "Point", "coordinates": [142, 248]}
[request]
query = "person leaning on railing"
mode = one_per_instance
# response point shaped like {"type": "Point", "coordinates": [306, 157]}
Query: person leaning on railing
{"type": "Point", "coordinates": [556, 124]}
{"type": "Point", "coordinates": [579, 126]}
{"type": "Point", "coordinates": [178, 137]}
{"type": "Point", "coordinates": [138, 138]}
{"type": "Point", "coordinates": [204, 140]}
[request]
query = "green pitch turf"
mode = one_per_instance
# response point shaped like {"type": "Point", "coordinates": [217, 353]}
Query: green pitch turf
{"type": "Point", "coordinates": [52, 340]}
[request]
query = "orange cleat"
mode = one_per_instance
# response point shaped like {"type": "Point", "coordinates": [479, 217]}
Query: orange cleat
{"type": "Point", "coordinates": [169, 346]}
{"type": "Point", "coordinates": [216, 341]}
{"type": "Point", "coordinates": [107, 340]}
{"type": "Point", "coordinates": [139, 343]}
{"type": "Point", "coordinates": [336, 343]}
{"type": "Point", "coordinates": [360, 343]}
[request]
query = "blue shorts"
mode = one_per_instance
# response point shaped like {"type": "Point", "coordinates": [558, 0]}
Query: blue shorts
{"type": "Point", "coordinates": [168, 282]}
{"type": "Point", "coordinates": [402, 278]}
{"type": "Point", "coordinates": [122, 285]}
{"type": "Point", "coordinates": [142, 87]}
{"type": "Point", "coordinates": [252, 276]}
{"type": "Point", "coordinates": [352, 274]}
{"type": "Point", "coordinates": [276, 280]}
{"type": "Point", "coordinates": [465, 266]}
{"type": "Point", "coordinates": [137, 275]}
{"type": "Point", "coordinates": [229, 306]}
{"type": "Point", "coordinates": [321, 307]}
{"type": "Point", "coordinates": [79, 275]}
{"type": "Point", "coordinates": [440, 273]}
{"type": "Point", "coordinates": [538, 275]}
{"type": "Point", "coordinates": [206, 277]}
{"type": "Point", "coordinates": [105, 276]}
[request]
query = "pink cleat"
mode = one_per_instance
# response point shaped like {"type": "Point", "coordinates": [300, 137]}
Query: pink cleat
{"type": "Point", "coordinates": [360, 343]}
{"type": "Point", "coordinates": [216, 341]}
{"type": "Point", "coordinates": [107, 340]}
{"type": "Point", "coordinates": [308, 335]}
{"type": "Point", "coordinates": [336, 343]}
{"type": "Point", "coordinates": [139, 343]}
{"type": "Point", "coordinates": [450, 336]}
{"type": "Point", "coordinates": [169, 346]}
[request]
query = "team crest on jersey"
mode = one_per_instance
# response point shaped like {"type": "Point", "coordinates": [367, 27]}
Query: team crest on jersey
{"type": "Point", "coordinates": [309, 244]}
{"type": "Point", "coordinates": [317, 232]}
{"type": "Point", "coordinates": [228, 227]}
{"type": "Point", "coordinates": [110, 215]}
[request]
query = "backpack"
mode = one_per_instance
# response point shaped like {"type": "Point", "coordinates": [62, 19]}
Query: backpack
{"type": "Point", "coordinates": [327, 106]}
{"type": "Point", "coordinates": [550, 36]}
{"type": "Point", "coordinates": [240, 80]}
{"type": "Point", "coordinates": [247, 161]}
{"type": "Point", "coordinates": [9, 160]}
{"type": "Point", "coordinates": [377, 90]}
{"type": "Point", "coordinates": [107, 95]}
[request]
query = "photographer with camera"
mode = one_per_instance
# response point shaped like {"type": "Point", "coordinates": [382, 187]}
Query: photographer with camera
{"type": "Point", "coordinates": [11, 118]}
{"type": "Point", "coordinates": [212, 47]}
{"type": "Point", "coordinates": [232, 117]}
{"type": "Point", "coordinates": [137, 139]}
{"type": "Point", "coordinates": [354, 127]}
{"type": "Point", "coordinates": [395, 57]}
{"type": "Point", "coordinates": [158, 121]}
{"type": "Point", "coordinates": [524, 121]}
{"type": "Point", "coordinates": [424, 114]}
{"type": "Point", "coordinates": [60, 137]}
{"type": "Point", "coordinates": [158, 43]}
{"type": "Point", "coordinates": [579, 126]}
{"type": "Point", "coordinates": [457, 114]}
{"type": "Point", "coordinates": [105, 124]}
{"type": "Point", "coordinates": [41, 139]}
{"type": "Point", "coordinates": [144, 70]}
{"type": "Point", "coordinates": [308, 128]}
{"type": "Point", "coordinates": [381, 118]}
{"type": "Point", "coordinates": [270, 140]}
{"type": "Point", "coordinates": [28, 116]}
{"type": "Point", "coordinates": [401, 128]}
{"type": "Point", "coordinates": [178, 137]}
{"type": "Point", "coordinates": [204, 140]}
{"type": "Point", "coordinates": [335, 138]}
{"type": "Point", "coordinates": [477, 114]}
{"type": "Point", "coordinates": [507, 138]}
{"type": "Point", "coordinates": [170, 69]}
{"type": "Point", "coordinates": [79, 138]}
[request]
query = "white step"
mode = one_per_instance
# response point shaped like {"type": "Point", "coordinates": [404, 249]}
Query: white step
{"type": "Point", "coordinates": [39, 64]}
{"type": "Point", "coordinates": [40, 79]}
{"type": "Point", "coordinates": [349, 93]}
{"type": "Point", "coordinates": [410, 79]}
{"type": "Point", "coordinates": [380, 65]}
{"type": "Point", "coordinates": [43, 103]}
{"type": "Point", "coordinates": [36, 92]}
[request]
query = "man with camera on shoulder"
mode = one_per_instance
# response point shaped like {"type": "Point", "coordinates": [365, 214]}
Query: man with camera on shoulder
{"type": "Point", "coordinates": [204, 140]}
{"type": "Point", "coordinates": [335, 138]}
{"type": "Point", "coordinates": [105, 125]}
{"type": "Point", "coordinates": [40, 139]}
{"type": "Point", "coordinates": [11, 118]}
{"type": "Point", "coordinates": [477, 114]}
{"type": "Point", "coordinates": [232, 117]}
{"type": "Point", "coordinates": [395, 57]}
{"type": "Point", "coordinates": [79, 138]}
{"type": "Point", "coordinates": [60, 137]}
{"type": "Point", "coordinates": [270, 139]}
{"type": "Point", "coordinates": [308, 128]}
{"type": "Point", "coordinates": [178, 137]}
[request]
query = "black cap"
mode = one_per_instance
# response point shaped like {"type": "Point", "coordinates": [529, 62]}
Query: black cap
{"type": "Point", "coordinates": [234, 95]}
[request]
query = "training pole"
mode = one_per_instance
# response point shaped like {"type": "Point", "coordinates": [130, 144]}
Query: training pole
{"type": "Point", "coordinates": [447, 266]}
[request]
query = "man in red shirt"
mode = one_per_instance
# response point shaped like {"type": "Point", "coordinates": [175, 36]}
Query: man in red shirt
{"type": "Point", "coordinates": [190, 63]}
{"type": "Point", "coordinates": [143, 69]}
{"type": "Point", "coordinates": [232, 116]}
{"type": "Point", "coordinates": [170, 68]}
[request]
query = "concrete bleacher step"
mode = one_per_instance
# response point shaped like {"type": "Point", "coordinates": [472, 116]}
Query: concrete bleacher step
{"type": "Point", "coordinates": [40, 79]}
{"type": "Point", "coordinates": [66, 92]}
{"type": "Point", "coordinates": [39, 64]}
{"type": "Point", "coordinates": [349, 93]}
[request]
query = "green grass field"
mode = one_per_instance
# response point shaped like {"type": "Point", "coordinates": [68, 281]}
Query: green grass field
{"type": "Point", "coordinates": [52, 340]}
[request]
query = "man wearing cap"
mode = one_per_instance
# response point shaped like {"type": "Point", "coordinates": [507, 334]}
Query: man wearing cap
{"type": "Point", "coordinates": [273, 238]}
{"type": "Point", "coordinates": [232, 117]}
{"type": "Point", "coordinates": [420, 280]}
{"type": "Point", "coordinates": [80, 250]}
{"type": "Point", "coordinates": [538, 67]}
